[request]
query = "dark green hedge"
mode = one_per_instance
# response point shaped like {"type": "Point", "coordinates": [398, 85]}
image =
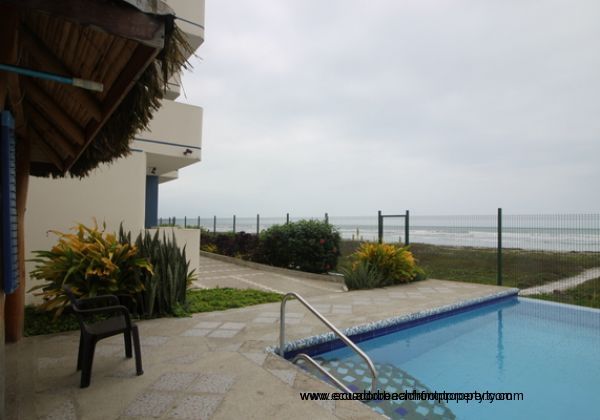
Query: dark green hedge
{"type": "Point", "coordinates": [242, 245]}
{"type": "Point", "coordinates": [306, 245]}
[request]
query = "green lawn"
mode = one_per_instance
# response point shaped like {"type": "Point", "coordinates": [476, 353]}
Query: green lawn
{"type": "Point", "coordinates": [219, 299]}
{"type": "Point", "coordinates": [38, 323]}
{"type": "Point", "coordinates": [478, 265]}
{"type": "Point", "coordinates": [208, 300]}
{"type": "Point", "coordinates": [586, 294]}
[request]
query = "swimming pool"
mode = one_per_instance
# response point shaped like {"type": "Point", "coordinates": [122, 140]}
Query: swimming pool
{"type": "Point", "coordinates": [548, 352]}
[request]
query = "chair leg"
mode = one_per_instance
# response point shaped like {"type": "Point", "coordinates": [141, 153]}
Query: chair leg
{"type": "Point", "coordinates": [80, 352]}
{"type": "Point", "coordinates": [138, 350]}
{"type": "Point", "coordinates": [88, 360]}
{"type": "Point", "coordinates": [127, 338]}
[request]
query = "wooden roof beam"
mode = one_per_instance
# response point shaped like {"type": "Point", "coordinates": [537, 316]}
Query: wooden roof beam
{"type": "Point", "coordinates": [122, 20]}
{"type": "Point", "coordinates": [9, 53]}
{"type": "Point", "coordinates": [11, 83]}
{"type": "Point", "coordinates": [141, 58]}
{"type": "Point", "coordinates": [50, 63]}
{"type": "Point", "coordinates": [43, 101]}
{"type": "Point", "coordinates": [47, 132]}
{"type": "Point", "coordinates": [50, 153]}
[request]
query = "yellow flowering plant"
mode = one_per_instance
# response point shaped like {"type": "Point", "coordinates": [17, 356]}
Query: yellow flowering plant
{"type": "Point", "coordinates": [91, 262]}
{"type": "Point", "coordinates": [393, 263]}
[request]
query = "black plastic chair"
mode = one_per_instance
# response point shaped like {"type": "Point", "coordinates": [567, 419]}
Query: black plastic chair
{"type": "Point", "coordinates": [93, 331]}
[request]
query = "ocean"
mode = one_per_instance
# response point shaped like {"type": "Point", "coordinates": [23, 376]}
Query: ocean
{"type": "Point", "coordinates": [563, 232]}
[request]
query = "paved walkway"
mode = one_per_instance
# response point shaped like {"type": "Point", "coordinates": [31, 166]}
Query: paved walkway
{"type": "Point", "coordinates": [214, 273]}
{"type": "Point", "coordinates": [563, 284]}
{"type": "Point", "coordinates": [211, 365]}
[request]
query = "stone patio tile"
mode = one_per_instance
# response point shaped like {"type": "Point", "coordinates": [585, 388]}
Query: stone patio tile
{"type": "Point", "coordinates": [109, 349]}
{"type": "Point", "coordinates": [214, 383]}
{"type": "Point", "coordinates": [207, 325]}
{"type": "Point", "coordinates": [185, 360]}
{"type": "Point", "coordinates": [152, 340]}
{"type": "Point", "coordinates": [232, 347]}
{"type": "Point", "coordinates": [324, 309]}
{"type": "Point", "coordinates": [232, 326]}
{"type": "Point", "coordinates": [174, 381]}
{"type": "Point", "coordinates": [270, 314]}
{"type": "Point", "coordinates": [196, 332]}
{"type": "Point", "coordinates": [264, 320]}
{"type": "Point", "coordinates": [50, 362]}
{"type": "Point", "coordinates": [65, 411]}
{"type": "Point", "coordinates": [258, 358]}
{"type": "Point", "coordinates": [286, 375]}
{"type": "Point", "coordinates": [341, 311]}
{"type": "Point", "coordinates": [150, 404]}
{"type": "Point", "coordinates": [196, 407]}
{"type": "Point", "coordinates": [223, 333]}
{"type": "Point", "coordinates": [269, 337]}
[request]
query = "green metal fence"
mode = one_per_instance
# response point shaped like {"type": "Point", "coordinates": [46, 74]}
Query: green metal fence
{"type": "Point", "coordinates": [554, 256]}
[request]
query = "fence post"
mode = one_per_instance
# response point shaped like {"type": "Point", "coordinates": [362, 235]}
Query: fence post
{"type": "Point", "coordinates": [199, 223]}
{"type": "Point", "coordinates": [326, 218]}
{"type": "Point", "coordinates": [234, 223]}
{"type": "Point", "coordinates": [406, 229]}
{"type": "Point", "coordinates": [174, 221]}
{"type": "Point", "coordinates": [499, 268]}
{"type": "Point", "coordinates": [287, 219]}
{"type": "Point", "coordinates": [380, 227]}
{"type": "Point", "coordinates": [185, 222]}
{"type": "Point", "coordinates": [257, 224]}
{"type": "Point", "coordinates": [215, 224]}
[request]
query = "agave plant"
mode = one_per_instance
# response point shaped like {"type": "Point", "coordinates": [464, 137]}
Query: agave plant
{"type": "Point", "coordinates": [362, 275]}
{"type": "Point", "coordinates": [91, 262]}
{"type": "Point", "coordinates": [165, 288]}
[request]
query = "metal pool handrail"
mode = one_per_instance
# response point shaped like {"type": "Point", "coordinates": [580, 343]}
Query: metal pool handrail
{"type": "Point", "coordinates": [313, 362]}
{"type": "Point", "coordinates": [332, 327]}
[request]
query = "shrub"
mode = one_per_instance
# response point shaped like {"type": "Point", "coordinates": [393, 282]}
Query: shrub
{"type": "Point", "coordinates": [362, 275]}
{"type": "Point", "coordinates": [307, 245]}
{"type": "Point", "coordinates": [241, 244]}
{"type": "Point", "coordinates": [91, 262]}
{"type": "Point", "coordinates": [395, 264]}
{"type": "Point", "coordinates": [212, 248]}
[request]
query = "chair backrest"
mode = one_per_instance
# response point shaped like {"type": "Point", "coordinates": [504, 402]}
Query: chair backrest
{"type": "Point", "coordinates": [75, 305]}
{"type": "Point", "coordinates": [70, 295]}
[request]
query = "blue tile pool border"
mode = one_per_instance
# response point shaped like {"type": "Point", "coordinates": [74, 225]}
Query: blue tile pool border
{"type": "Point", "coordinates": [329, 341]}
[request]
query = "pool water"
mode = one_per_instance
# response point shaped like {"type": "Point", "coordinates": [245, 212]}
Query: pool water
{"type": "Point", "coordinates": [547, 351]}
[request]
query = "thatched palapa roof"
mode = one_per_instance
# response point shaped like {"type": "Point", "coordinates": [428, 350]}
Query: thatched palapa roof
{"type": "Point", "coordinates": [132, 47]}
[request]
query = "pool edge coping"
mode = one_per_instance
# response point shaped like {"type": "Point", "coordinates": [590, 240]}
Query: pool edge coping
{"type": "Point", "coordinates": [388, 323]}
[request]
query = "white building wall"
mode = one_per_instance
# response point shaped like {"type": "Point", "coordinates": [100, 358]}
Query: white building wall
{"type": "Point", "coordinates": [188, 237]}
{"type": "Point", "coordinates": [114, 193]}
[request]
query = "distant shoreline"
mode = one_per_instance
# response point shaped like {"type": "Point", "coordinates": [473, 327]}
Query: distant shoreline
{"type": "Point", "coordinates": [561, 233]}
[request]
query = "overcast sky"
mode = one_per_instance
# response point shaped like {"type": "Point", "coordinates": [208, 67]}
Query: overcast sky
{"type": "Point", "coordinates": [439, 107]}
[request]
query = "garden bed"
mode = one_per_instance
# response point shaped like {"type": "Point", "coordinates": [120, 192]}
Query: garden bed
{"type": "Point", "coordinates": [206, 300]}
